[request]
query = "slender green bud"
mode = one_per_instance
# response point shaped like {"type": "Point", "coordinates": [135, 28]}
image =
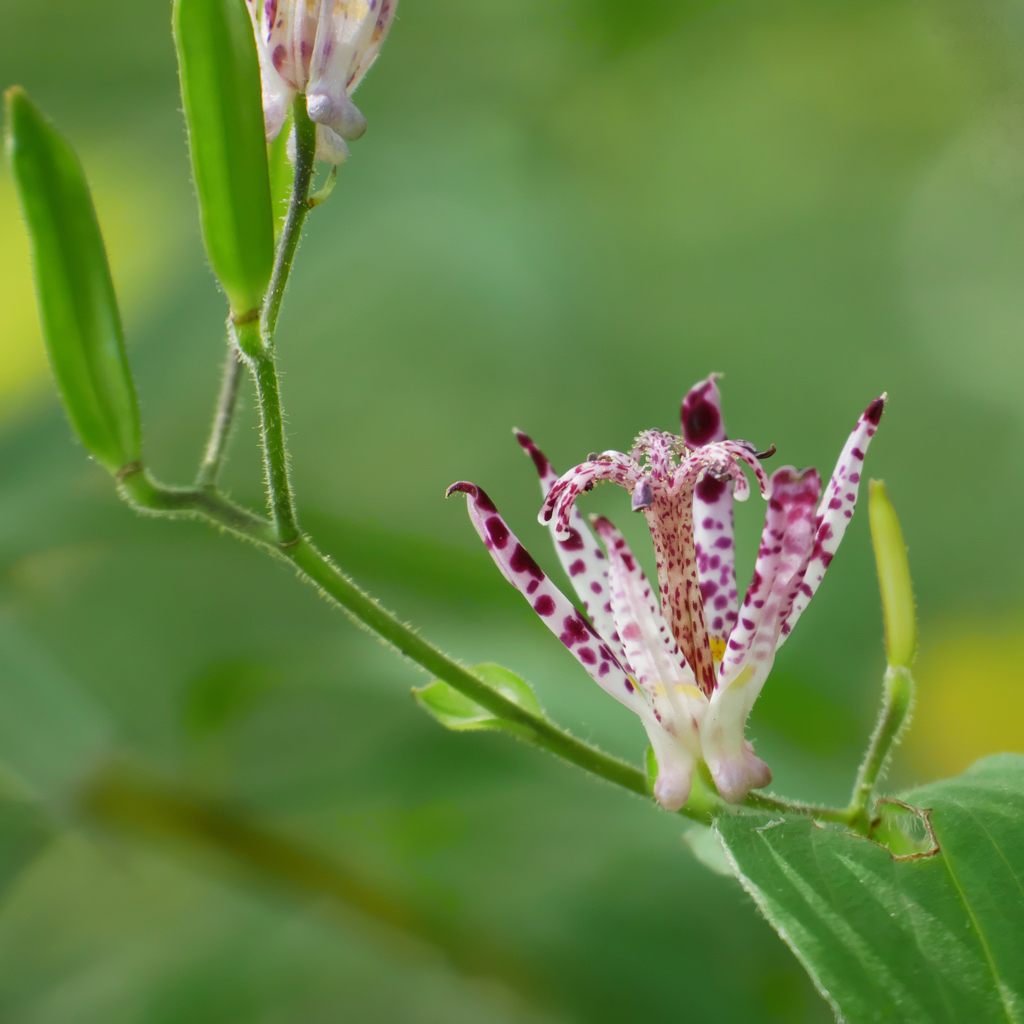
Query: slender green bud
{"type": "Point", "coordinates": [77, 306]}
{"type": "Point", "coordinates": [220, 88]}
{"type": "Point", "coordinates": [893, 578]}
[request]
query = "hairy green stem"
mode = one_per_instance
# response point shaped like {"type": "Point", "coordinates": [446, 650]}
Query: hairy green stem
{"type": "Point", "coordinates": [275, 454]}
{"type": "Point", "coordinates": [544, 733]}
{"type": "Point", "coordinates": [765, 802]}
{"type": "Point", "coordinates": [144, 494]}
{"type": "Point", "coordinates": [305, 159]}
{"type": "Point", "coordinates": [897, 700]}
{"type": "Point", "coordinates": [223, 420]}
{"type": "Point", "coordinates": [299, 206]}
{"type": "Point", "coordinates": [208, 504]}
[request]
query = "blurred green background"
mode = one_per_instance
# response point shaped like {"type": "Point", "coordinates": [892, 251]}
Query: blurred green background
{"type": "Point", "coordinates": [563, 214]}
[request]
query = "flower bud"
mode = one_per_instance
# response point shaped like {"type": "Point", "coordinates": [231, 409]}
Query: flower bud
{"type": "Point", "coordinates": [77, 306]}
{"type": "Point", "coordinates": [893, 578]}
{"type": "Point", "coordinates": [321, 48]}
{"type": "Point", "coordinates": [220, 89]}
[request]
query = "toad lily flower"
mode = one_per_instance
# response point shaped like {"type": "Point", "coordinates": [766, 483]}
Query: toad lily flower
{"type": "Point", "coordinates": [692, 666]}
{"type": "Point", "coordinates": [321, 48]}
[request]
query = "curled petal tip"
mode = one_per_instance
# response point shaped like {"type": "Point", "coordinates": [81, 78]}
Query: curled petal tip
{"type": "Point", "coordinates": [462, 487]}
{"type": "Point", "coordinates": [767, 453]}
{"type": "Point", "coordinates": [874, 411]}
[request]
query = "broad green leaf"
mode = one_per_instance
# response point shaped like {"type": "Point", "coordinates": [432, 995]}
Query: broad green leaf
{"type": "Point", "coordinates": [220, 88]}
{"type": "Point", "coordinates": [77, 306]}
{"type": "Point", "coordinates": [456, 711]}
{"type": "Point", "coordinates": [935, 934]}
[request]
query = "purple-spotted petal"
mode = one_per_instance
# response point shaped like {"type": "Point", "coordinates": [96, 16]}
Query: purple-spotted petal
{"type": "Point", "coordinates": [835, 511]}
{"type": "Point", "coordinates": [277, 92]}
{"type": "Point", "coordinates": [651, 650]}
{"type": "Point", "coordinates": [555, 610]}
{"type": "Point", "coordinates": [730, 757]}
{"type": "Point", "coordinates": [701, 414]}
{"type": "Point", "coordinates": [786, 543]}
{"type": "Point", "coordinates": [716, 558]}
{"type": "Point", "coordinates": [348, 39]}
{"type": "Point", "coordinates": [614, 466]}
{"type": "Point", "coordinates": [581, 557]}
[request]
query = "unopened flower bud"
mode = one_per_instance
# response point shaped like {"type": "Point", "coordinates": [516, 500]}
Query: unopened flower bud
{"type": "Point", "coordinates": [893, 578]}
{"type": "Point", "coordinates": [321, 48]}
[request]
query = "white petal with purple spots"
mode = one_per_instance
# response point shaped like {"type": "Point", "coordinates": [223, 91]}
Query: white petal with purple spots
{"type": "Point", "coordinates": [580, 555]}
{"type": "Point", "coordinates": [836, 510]}
{"type": "Point", "coordinates": [555, 610]}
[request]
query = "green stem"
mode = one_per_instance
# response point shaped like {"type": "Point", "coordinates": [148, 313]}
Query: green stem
{"type": "Point", "coordinates": [275, 454]}
{"type": "Point", "coordinates": [764, 802]}
{"type": "Point", "coordinates": [207, 504]}
{"type": "Point", "coordinates": [305, 159]}
{"type": "Point", "coordinates": [897, 700]}
{"type": "Point", "coordinates": [319, 570]}
{"type": "Point", "coordinates": [145, 495]}
{"type": "Point", "coordinates": [223, 420]}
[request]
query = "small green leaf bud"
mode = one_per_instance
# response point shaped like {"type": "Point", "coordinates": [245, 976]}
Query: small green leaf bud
{"type": "Point", "coordinates": [893, 578]}
{"type": "Point", "coordinates": [77, 305]}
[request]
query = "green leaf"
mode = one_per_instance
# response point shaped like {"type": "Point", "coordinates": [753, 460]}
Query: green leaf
{"type": "Point", "coordinates": [456, 711]}
{"type": "Point", "coordinates": [932, 934]}
{"type": "Point", "coordinates": [81, 323]}
{"type": "Point", "coordinates": [220, 87]}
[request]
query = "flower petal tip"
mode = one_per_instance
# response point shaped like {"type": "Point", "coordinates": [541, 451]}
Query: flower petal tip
{"type": "Point", "coordinates": [736, 778]}
{"type": "Point", "coordinates": [874, 411]}
{"type": "Point", "coordinates": [478, 494]}
{"type": "Point", "coordinates": [672, 787]}
{"type": "Point", "coordinates": [540, 460]}
{"type": "Point", "coordinates": [701, 413]}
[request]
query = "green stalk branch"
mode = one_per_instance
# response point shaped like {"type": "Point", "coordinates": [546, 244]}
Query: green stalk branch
{"type": "Point", "coordinates": [208, 504]}
{"type": "Point", "coordinates": [765, 802]}
{"type": "Point", "coordinates": [305, 159]}
{"type": "Point", "coordinates": [223, 420]}
{"type": "Point", "coordinates": [145, 495]}
{"type": "Point", "coordinates": [544, 733]}
{"type": "Point", "coordinates": [897, 700]}
{"type": "Point", "coordinates": [300, 204]}
{"type": "Point", "coordinates": [275, 454]}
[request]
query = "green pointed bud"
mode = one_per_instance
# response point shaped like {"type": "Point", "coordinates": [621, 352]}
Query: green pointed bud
{"type": "Point", "coordinates": [77, 306]}
{"type": "Point", "coordinates": [893, 578]}
{"type": "Point", "coordinates": [220, 88]}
